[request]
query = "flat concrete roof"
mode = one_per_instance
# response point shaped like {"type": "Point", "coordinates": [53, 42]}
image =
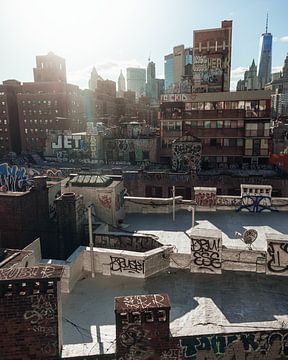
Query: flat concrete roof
{"type": "Point", "coordinates": [228, 222]}
{"type": "Point", "coordinates": [200, 304]}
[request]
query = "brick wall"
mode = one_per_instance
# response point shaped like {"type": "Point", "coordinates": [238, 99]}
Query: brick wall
{"type": "Point", "coordinates": [30, 313]}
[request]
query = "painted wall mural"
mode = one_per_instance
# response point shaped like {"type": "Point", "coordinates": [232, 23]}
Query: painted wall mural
{"type": "Point", "coordinates": [14, 178]}
{"type": "Point", "coordinates": [243, 346]}
{"type": "Point", "coordinates": [186, 154]}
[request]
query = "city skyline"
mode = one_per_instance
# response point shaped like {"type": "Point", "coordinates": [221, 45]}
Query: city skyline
{"type": "Point", "coordinates": [91, 35]}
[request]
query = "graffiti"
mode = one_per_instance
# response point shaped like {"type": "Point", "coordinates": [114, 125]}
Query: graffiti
{"type": "Point", "coordinates": [43, 307]}
{"type": "Point", "coordinates": [256, 203]}
{"type": "Point", "coordinates": [62, 155]}
{"type": "Point", "coordinates": [142, 302]}
{"type": "Point", "coordinates": [53, 173]}
{"type": "Point", "coordinates": [206, 199]}
{"type": "Point", "coordinates": [242, 346]}
{"type": "Point", "coordinates": [135, 341]}
{"type": "Point", "coordinates": [122, 145]}
{"type": "Point", "coordinates": [50, 348]}
{"type": "Point", "coordinates": [67, 142]}
{"type": "Point", "coordinates": [277, 258]}
{"type": "Point", "coordinates": [130, 243]}
{"type": "Point", "coordinates": [126, 265]}
{"type": "Point", "coordinates": [228, 201]}
{"type": "Point", "coordinates": [206, 255]}
{"type": "Point", "coordinates": [14, 178]}
{"type": "Point", "coordinates": [39, 272]}
{"type": "Point", "coordinates": [105, 201]}
{"type": "Point", "coordinates": [186, 154]}
{"type": "Point", "coordinates": [172, 354]}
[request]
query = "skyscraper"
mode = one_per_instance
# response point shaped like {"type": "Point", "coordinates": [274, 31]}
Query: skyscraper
{"type": "Point", "coordinates": [177, 65]}
{"type": "Point", "coordinates": [136, 81]}
{"type": "Point", "coordinates": [265, 57]}
{"type": "Point", "coordinates": [151, 81]}
{"type": "Point", "coordinates": [93, 79]}
{"type": "Point", "coordinates": [121, 85]}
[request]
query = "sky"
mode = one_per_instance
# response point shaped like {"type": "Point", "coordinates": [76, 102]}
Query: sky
{"type": "Point", "coordinates": [115, 34]}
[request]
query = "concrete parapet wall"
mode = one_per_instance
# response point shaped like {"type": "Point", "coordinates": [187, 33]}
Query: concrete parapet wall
{"type": "Point", "coordinates": [128, 263]}
{"type": "Point", "coordinates": [144, 205]}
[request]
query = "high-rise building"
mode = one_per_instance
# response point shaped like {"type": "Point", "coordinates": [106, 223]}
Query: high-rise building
{"type": "Point", "coordinates": [265, 57]}
{"type": "Point", "coordinates": [177, 67]}
{"type": "Point", "coordinates": [93, 79]}
{"type": "Point", "coordinates": [49, 67]}
{"type": "Point", "coordinates": [151, 81]}
{"type": "Point", "coordinates": [279, 89]}
{"type": "Point", "coordinates": [168, 69]}
{"type": "Point", "coordinates": [251, 81]}
{"type": "Point", "coordinates": [212, 58]}
{"type": "Point", "coordinates": [121, 85]}
{"type": "Point", "coordinates": [136, 81]}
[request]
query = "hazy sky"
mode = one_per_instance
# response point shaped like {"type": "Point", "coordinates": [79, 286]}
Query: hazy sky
{"type": "Point", "coordinates": [115, 34]}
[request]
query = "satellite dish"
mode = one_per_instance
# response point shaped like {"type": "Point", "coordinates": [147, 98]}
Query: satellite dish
{"type": "Point", "coordinates": [249, 236]}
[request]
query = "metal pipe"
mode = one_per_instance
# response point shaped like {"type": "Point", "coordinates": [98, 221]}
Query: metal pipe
{"type": "Point", "coordinates": [173, 203]}
{"type": "Point", "coordinates": [193, 216]}
{"type": "Point", "coordinates": [91, 241]}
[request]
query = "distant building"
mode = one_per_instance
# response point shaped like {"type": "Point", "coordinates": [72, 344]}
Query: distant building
{"type": "Point", "coordinates": [136, 81]}
{"type": "Point", "coordinates": [121, 85]}
{"type": "Point", "coordinates": [279, 88]}
{"type": "Point", "coordinates": [177, 66]}
{"type": "Point", "coordinates": [93, 79]}
{"type": "Point", "coordinates": [212, 58]}
{"type": "Point", "coordinates": [233, 127]}
{"type": "Point", "coordinates": [50, 67]}
{"type": "Point", "coordinates": [48, 106]}
{"type": "Point", "coordinates": [251, 81]}
{"type": "Point", "coordinates": [9, 122]}
{"type": "Point", "coordinates": [168, 69]}
{"type": "Point", "coordinates": [265, 57]}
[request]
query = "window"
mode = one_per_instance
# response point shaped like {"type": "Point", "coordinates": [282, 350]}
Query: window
{"type": "Point", "coordinates": [149, 316]}
{"type": "Point", "coordinates": [219, 124]}
{"type": "Point", "coordinates": [227, 124]}
{"type": "Point", "coordinates": [207, 124]}
{"type": "Point", "coordinates": [248, 147]}
{"type": "Point", "coordinates": [161, 315]}
{"type": "Point", "coordinates": [226, 142]}
{"type": "Point", "coordinates": [136, 317]}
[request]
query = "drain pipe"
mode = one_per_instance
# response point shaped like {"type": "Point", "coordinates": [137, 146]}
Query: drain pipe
{"type": "Point", "coordinates": [173, 203]}
{"type": "Point", "coordinates": [91, 241]}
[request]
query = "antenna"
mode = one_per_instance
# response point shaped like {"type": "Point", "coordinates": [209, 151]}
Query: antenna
{"type": "Point", "coordinates": [149, 56]}
{"type": "Point", "coordinates": [267, 23]}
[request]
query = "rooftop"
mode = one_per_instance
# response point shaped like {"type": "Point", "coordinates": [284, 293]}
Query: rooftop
{"type": "Point", "coordinates": [200, 304]}
{"type": "Point", "coordinates": [228, 222]}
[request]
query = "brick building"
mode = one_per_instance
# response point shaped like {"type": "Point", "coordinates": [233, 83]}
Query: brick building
{"type": "Point", "coordinates": [9, 124]}
{"type": "Point", "coordinates": [233, 127]}
{"type": "Point", "coordinates": [212, 58]}
{"type": "Point", "coordinates": [49, 67]}
{"type": "Point", "coordinates": [30, 309]}
{"type": "Point", "coordinates": [48, 106]}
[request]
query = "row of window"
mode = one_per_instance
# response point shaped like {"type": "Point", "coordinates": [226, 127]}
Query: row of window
{"type": "Point", "coordinates": [40, 102]}
{"type": "Point", "coordinates": [4, 121]}
{"type": "Point", "coordinates": [227, 105]}
{"type": "Point", "coordinates": [41, 112]}
{"type": "Point", "coordinates": [36, 130]}
{"type": "Point", "coordinates": [215, 124]}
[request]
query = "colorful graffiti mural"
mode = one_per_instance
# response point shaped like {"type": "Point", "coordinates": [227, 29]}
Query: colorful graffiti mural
{"type": "Point", "coordinates": [256, 203]}
{"type": "Point", "coordinates": [186, 154]}
{"type": "Point", "coordinates": [14, 178]}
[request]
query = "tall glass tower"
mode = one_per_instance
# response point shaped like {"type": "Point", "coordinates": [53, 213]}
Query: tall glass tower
{"type": "Point", "coordinates": [265, 57]}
